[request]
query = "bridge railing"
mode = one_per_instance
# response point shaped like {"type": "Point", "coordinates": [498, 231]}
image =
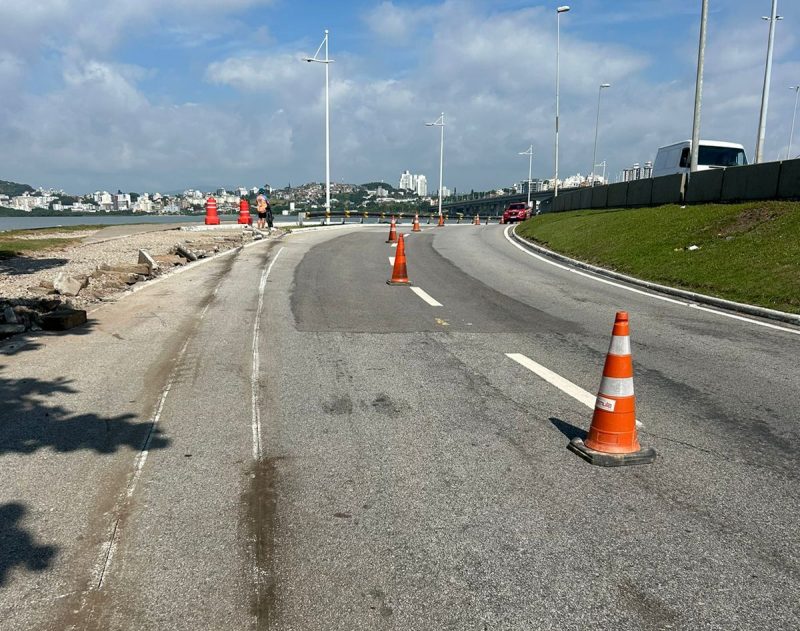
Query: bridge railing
{"type": "Point", "coordinates": [359, 217]}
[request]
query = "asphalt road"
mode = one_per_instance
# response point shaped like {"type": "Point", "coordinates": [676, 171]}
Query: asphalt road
{"type": "Point", "coordinates": [325, 451]}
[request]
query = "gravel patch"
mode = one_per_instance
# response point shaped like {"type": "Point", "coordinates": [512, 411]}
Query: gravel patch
{"type": "Point", "coordinates": [27, 282]}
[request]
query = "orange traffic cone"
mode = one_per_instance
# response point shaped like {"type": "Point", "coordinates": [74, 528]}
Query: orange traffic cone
{"type": "Point", "coordinates": [502, 220]}
{"type": "Point", "coordinates": [477, 221]}
{"type": "Point", "coordinates": [441, 222]}
{"type": "Point", "coordinates": [244, 212]}
{"type": "Point", "coordinates": [416, 227]}
{"type": "Point", "coordinates": [399, 273]}
{"type": "Point", "coordinates": [612, 440]}
{"type": "Point", "coordinates": [392, 232]}
{"type": "Point", "coordinates": [212, 218]}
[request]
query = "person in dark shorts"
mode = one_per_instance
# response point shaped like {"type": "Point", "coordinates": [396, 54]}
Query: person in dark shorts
{"type": "Point", "coordinates": [264, 212]}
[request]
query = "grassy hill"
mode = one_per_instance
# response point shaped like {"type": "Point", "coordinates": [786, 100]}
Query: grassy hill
{"type": "Point", "coordinates": [12, 188]}
{"type": "Point", "coordinates": [746, 252]}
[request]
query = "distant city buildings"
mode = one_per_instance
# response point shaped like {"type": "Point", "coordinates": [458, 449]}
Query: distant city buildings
{"type": "Point", "coordinates": [638, 172]}
{"type": "Point", "coordinates": [416, 183]}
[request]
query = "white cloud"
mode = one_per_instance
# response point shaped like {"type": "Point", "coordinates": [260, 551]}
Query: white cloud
{"type": "Point", "coordinates": [491, 71]}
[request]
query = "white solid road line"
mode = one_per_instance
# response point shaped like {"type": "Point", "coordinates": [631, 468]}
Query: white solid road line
{"type": "Point", "coordinates": [426, 297]}
{"type": "Point", "coordinates": [394, 245]}
{"type": "Point", "coordinates": [391, 261]}
{"type": "Point", "coordinates": [256, 412]}
{"type": "Point", "coordinates": [683, 303]}
{"type": "Point", "coordinates": [565, 385]}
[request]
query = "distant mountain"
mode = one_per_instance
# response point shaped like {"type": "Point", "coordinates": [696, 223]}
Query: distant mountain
{"type": "Point", "coordinates": [12, 188]}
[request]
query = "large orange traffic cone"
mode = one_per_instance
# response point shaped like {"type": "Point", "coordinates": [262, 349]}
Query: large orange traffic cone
{"type": "Point", "coordinates": [212, 218]}
{"type": "Point", "coordinates": [392, 232]}
{"type": "Point", "coordinates": [612, 440]}
{"type": "Point", "coordinates": [416, 227]}
{"type": "Point", "coordinates": [441, 222]}
{"type": "Point", "coordinates": [399, 273]}
{"type": "Point", "coordinates": [244, 212]}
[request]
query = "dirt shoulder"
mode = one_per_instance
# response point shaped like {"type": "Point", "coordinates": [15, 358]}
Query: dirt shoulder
{"type": "Point", "coordinates": [101, 267]}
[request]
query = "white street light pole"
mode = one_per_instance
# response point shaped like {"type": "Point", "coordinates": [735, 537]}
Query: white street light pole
{"type": "Point", "coordinates": [698, 88]}
{"type": "Point", "coordinates": [327, 61]}
{"type": "Point", "coordinates": [559, 11]}
{"type": "Point", "coordinates": [796, 89]}
{"type": "Point", "coordinates": [602, 164]}
{"type": "Point", "coordinates": [529, 153]}
{"type": "Point", "coordinates": [762, 119]}
{"type": "Point", "coordinates": [439, 122]}
{"type": "Point", "coordinates": [596, 127]}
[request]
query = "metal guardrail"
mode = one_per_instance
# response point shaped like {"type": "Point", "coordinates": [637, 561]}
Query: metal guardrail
{"type": "Point", "coordinates": [360, 217]}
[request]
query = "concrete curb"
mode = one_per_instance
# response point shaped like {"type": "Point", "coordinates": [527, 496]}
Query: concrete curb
{"type": "Point", "coordinates": [729, 305]}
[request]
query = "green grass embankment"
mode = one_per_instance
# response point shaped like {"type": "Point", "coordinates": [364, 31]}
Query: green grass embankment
{"type": "Point", "coordinates": [22, 242]}
{"type": "Point", "coordinates": [747, 252]}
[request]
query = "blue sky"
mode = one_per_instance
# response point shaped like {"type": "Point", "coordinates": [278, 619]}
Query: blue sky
{"type": "Point", "coordinates": [169, 94]}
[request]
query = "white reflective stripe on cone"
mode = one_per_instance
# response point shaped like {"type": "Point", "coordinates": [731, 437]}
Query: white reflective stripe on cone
{"type": "Point", "coordinates": [620, 345]}
{"type": "Point", "coordinates": [614, 387]}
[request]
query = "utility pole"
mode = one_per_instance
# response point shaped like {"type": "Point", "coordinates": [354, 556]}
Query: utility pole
{"type": "Point", "coordinates": [698, 89]}
{"type": "Point", "coordinates": [762, 118]}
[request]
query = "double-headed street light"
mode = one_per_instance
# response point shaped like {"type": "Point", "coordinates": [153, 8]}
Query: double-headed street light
{"type": "Point", "coordinates": [596, 127]}
{"type": "Point", "coordinates": [559, 11]}
{"type": "Point", "coordinates": [529, 153]}
{"type": "Point", "coordinates": [762, 119]}
{"type": "Point", "coordinates": [796, 89]}
{"type": "Point", "coordinates": [327, 61]}
{"type": "Point", "coordinates": [439, 122]}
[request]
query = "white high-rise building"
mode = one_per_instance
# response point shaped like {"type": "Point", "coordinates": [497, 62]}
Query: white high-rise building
{"type": "Point", "coordinates": [421, 185]}
{"type": "Point", "coordinates": [406, 181]}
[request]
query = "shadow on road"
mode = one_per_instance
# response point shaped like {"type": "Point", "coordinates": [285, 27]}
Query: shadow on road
{"type": "Point", "coordinates": [17, 547]}
{"type": "Point", "coordinates": [29, 421]}
{"type": "Point", "coordinates": [569, 430]}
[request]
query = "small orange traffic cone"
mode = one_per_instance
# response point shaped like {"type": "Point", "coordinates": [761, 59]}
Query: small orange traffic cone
{"type": "Point", "coordinates": [612, 439]}
{"type": "Point", "coordinates": [416, 227]}
{"type": "Point", "coordinates": [392, 232]}
{"type": "Point", "coordinates": [477, 221]}
{"type": "Point", "coordinates": [441, 222]}
{"type": "Point", "coordinates": [502, 220]}
{"type": "Point", "coordinates": [399, 273]}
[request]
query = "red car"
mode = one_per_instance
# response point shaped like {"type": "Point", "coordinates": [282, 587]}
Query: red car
{"type": "Point", "coordinates": [517, 211]}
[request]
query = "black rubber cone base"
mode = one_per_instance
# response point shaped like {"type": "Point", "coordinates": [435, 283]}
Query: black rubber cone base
{"type": "Point", "coordinates": [398, 282]}
{"type": "Point", "coordinates": [601, 459]}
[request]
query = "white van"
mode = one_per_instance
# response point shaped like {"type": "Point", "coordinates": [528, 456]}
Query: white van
{"type": "Point", "coordinates": [713, 154]}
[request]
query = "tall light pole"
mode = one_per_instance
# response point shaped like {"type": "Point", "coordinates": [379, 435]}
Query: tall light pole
{"type": "Point", "coordinates": [327, 61]}
{"type": "Point", "coordinates": [698, 88]}
{"type": "Point", "coordinates": [559, 11]}
{"type": "Point", "coordinates": [439, 122]}
{"type": "Point", "coordinates": [762, 118]}
{"type": "Point", "coordinates": [602, 164]}
{"type": "Point", "coordinates": [529, 153]}
{"type": "Point", "coordinates": [597, 126]}
{"type": "Point", "coordinates": [796, 89]}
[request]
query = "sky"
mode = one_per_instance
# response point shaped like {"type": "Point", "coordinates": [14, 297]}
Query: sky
{"type": "Point", "coordinates": [162, 95]}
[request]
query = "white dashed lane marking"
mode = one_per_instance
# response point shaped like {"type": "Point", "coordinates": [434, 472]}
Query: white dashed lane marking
{"type": "Point", "coordinates": [426, 297]}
